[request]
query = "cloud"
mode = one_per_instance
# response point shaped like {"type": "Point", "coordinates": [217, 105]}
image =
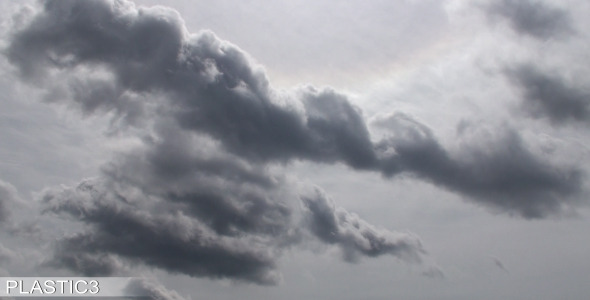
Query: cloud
{"type": "Point", "coordinates": [73, 253]}
{"type": "Point", "coordinates": [180, 204]}
{"type": "Point", "coordinates": [192, 174]}
{"type": "Point", "coordinates": [501, 172]}
{"type": "Point", "coordinates": [171, 241]}
{"type": "Point", "coordinates": [150, 289]}
{"type": "Point", "coordinates": [210, 126]}
{"type": "Point", "coordinates": [549, 96]}
{"type": "Point", "coordinates": [208, 86]}
{"type": "Point", "coordinates": [200, 193]}
{"type": "Point", "coordinates": [533, 18]}
{"type": "Point", "coordinates": [211, 85]}
{"type": "Point", "coordinates": [355, 236]}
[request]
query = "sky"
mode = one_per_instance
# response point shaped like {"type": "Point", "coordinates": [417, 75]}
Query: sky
{"type": "Point", "coordinates": [412, 149]}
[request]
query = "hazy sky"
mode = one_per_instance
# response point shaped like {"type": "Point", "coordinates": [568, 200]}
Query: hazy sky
{"type": "Point", "coordinates": [256, 149]}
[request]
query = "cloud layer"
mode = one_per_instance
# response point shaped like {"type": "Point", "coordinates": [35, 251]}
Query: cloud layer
{"type": "Point", "coordinates": [202, 192]}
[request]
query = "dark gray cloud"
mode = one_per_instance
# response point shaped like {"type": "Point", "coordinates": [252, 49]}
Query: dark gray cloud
{"type": "Point", "coordinates": [143, 66]}
{"type": "Point", "coordinates": [549, 96]}
{"type": "Point", "coordinates": [534, 18]}
{"type": "Point", "coordinates": [180, 204]}
{"type": "Point", "coordinates": [355, 236]}
{"type": "Point", "coordinates": [72, 253]}
{"type": "Point", "coordinates": [198, 195]}
{"type": "Point", "coordinates": [176, 204]}
{"type": "Point", "coordinates": [501, 173]}
{"type": "Point", "coordinates": [169, 240]}
{"type": "Point", "coordinates": [211, 85]}
{"type": "Point", "coordinates": [194, 92]}
{"type": "Point", "coordinates": [141, 62]}
{"type": "Point", "coordinates": [225, 192]}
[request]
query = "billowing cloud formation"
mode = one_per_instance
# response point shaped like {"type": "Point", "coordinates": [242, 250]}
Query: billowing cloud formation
{"type": "Point", "coordinates": [550, 96]}
{"type": "Point", "coordinates": [169, 240]}
{"type": "Point", "coordinates": [211, 84]}
{"type": "Point", "coordinates": [201, 205]}
{"type": "Point", "coordinates": [141, 62]}
{"type": "Point", "coordinates": [501, 173]}
{"type": "Point", "coordinates": [199, 194]}
{"type": "Point", "coordinates": [180, 204]}
{"type": "Point", "coordinates": [533, 18]}
{"type": "Point", "coordinates": [354, 235]}
{"type": "Point", "coordinates": [171, 206]}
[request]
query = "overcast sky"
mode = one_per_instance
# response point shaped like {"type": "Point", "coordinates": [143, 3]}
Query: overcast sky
{"type": "Point", "coordinates": [413, 149]}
